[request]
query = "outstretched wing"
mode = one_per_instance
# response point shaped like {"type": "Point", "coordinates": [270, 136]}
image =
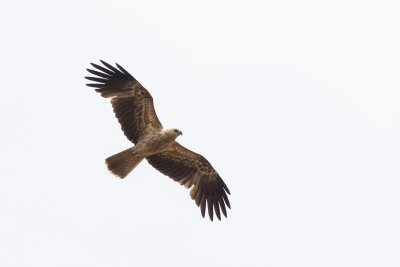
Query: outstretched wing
{"type": "Point", "coordinates": [132, 103]}
{"type": "Point", "coordinates": [194, 171]}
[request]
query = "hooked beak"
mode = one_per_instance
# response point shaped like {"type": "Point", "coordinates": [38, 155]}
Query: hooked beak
{"type": "Point", "coordinates": [180, 133]}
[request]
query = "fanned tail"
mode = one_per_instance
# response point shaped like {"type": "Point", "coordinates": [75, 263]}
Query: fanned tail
{"type": "Point", "coordinates": [122, 163]}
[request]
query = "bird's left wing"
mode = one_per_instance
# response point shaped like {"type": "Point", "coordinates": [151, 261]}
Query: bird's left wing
{"type": "Point", "coordinates": [132, 103]}
{"type": "Point", "coordinates": [194, 171]}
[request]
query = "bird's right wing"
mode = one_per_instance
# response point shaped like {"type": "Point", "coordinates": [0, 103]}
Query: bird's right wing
{"type": "Point", "coordinates": [194, 171]}
{"type": "Point", "coordinates": [132, 103]}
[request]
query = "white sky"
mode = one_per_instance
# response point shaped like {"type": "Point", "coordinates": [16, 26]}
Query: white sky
{"type": "Point", "coordinates": [295, 103]}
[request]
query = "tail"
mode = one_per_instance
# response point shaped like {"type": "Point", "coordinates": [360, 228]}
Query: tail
{"type": "Point", "coordinates": [122, 163]}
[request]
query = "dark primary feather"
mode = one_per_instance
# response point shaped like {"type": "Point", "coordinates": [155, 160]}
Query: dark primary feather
{"type": "Point", "coordinates": [100, 74]}
{"type": "Point", "coordinates": [193, 170]}
{"type": "Point", "coordinates": [132, 103]}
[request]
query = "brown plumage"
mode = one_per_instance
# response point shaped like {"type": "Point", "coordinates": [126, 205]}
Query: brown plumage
{"type": "Point", "coordinates": [134, 109]}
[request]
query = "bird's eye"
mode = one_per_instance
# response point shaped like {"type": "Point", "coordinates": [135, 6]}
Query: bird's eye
{"type": "Point", "coordinates": [176, 131]}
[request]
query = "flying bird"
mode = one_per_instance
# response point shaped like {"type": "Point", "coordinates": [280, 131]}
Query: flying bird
{"type": "Point", "coordinates": [133, 106]}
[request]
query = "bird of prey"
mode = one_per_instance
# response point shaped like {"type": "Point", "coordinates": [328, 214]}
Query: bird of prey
{"type": "Point", "coordinates": [134, 109]}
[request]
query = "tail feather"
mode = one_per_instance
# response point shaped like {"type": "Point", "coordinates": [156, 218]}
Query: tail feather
{"type": "Point", "coordinates": [122, 163]}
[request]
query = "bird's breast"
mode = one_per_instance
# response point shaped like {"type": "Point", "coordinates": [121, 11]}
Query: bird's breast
{"type": "Point", "coordinates": [153, 144]}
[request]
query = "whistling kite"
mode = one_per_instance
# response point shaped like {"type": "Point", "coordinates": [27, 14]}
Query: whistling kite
{"type": "Point", "coordinates": [134, 109]}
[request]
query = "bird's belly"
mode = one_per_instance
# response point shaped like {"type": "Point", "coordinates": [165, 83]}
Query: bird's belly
{"type": "Point", "coordinates": [152, 145]}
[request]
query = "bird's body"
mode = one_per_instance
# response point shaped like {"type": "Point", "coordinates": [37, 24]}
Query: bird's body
{"type": "Point", "coordinates": [155, 142]}
{"type": "Point", "coordinates": [133, 107]}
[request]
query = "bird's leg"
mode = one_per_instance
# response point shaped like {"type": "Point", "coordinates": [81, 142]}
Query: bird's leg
{"type": "Point", "coordinates": [138, 150]}
{"type": "Point", "coordinates": [135, 154]}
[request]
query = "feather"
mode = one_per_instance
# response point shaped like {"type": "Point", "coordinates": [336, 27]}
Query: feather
{"type": "Point", "coordinates": [98, 85]}
{"type": "Point", "coordinates": [100, 74]}
{"type": "Point", "coordinates": [210, 207]}
{"type": "Point", "coordinates": [125, 72]}
{"type": "Point", "coordinates": [203, 205]}
{"type": "Point", "coordinates": [116, 71]}
{"type": "Point", "coordinates": [216, 208]}
{"type": "Point", "coordinates": [222, 205]}
{"type": "Point", "coordinates": [100, 80]}
{"type": "Point", "coordinates": [103, 69]}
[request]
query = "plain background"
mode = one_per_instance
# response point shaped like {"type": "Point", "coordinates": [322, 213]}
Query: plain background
{"type": "Point", "coordinates": [295, 103]}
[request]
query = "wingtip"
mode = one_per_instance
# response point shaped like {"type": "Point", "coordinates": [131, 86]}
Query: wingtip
{"type": "Point", "coordinates": [225, 186]}
{"type": "Point", "coordinates": [93, 85]}
{"type": "Point", "coordinates": [105, 63]}
{"type": "Point", "coordinates": [211, 216]}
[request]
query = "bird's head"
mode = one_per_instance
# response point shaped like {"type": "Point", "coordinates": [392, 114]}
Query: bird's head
{"type": "Point", "coordinates": [175, 132]}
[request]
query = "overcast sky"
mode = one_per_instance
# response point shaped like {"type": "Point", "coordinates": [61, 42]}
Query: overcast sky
{"type": "Point", "coordinates": [295, 104]}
